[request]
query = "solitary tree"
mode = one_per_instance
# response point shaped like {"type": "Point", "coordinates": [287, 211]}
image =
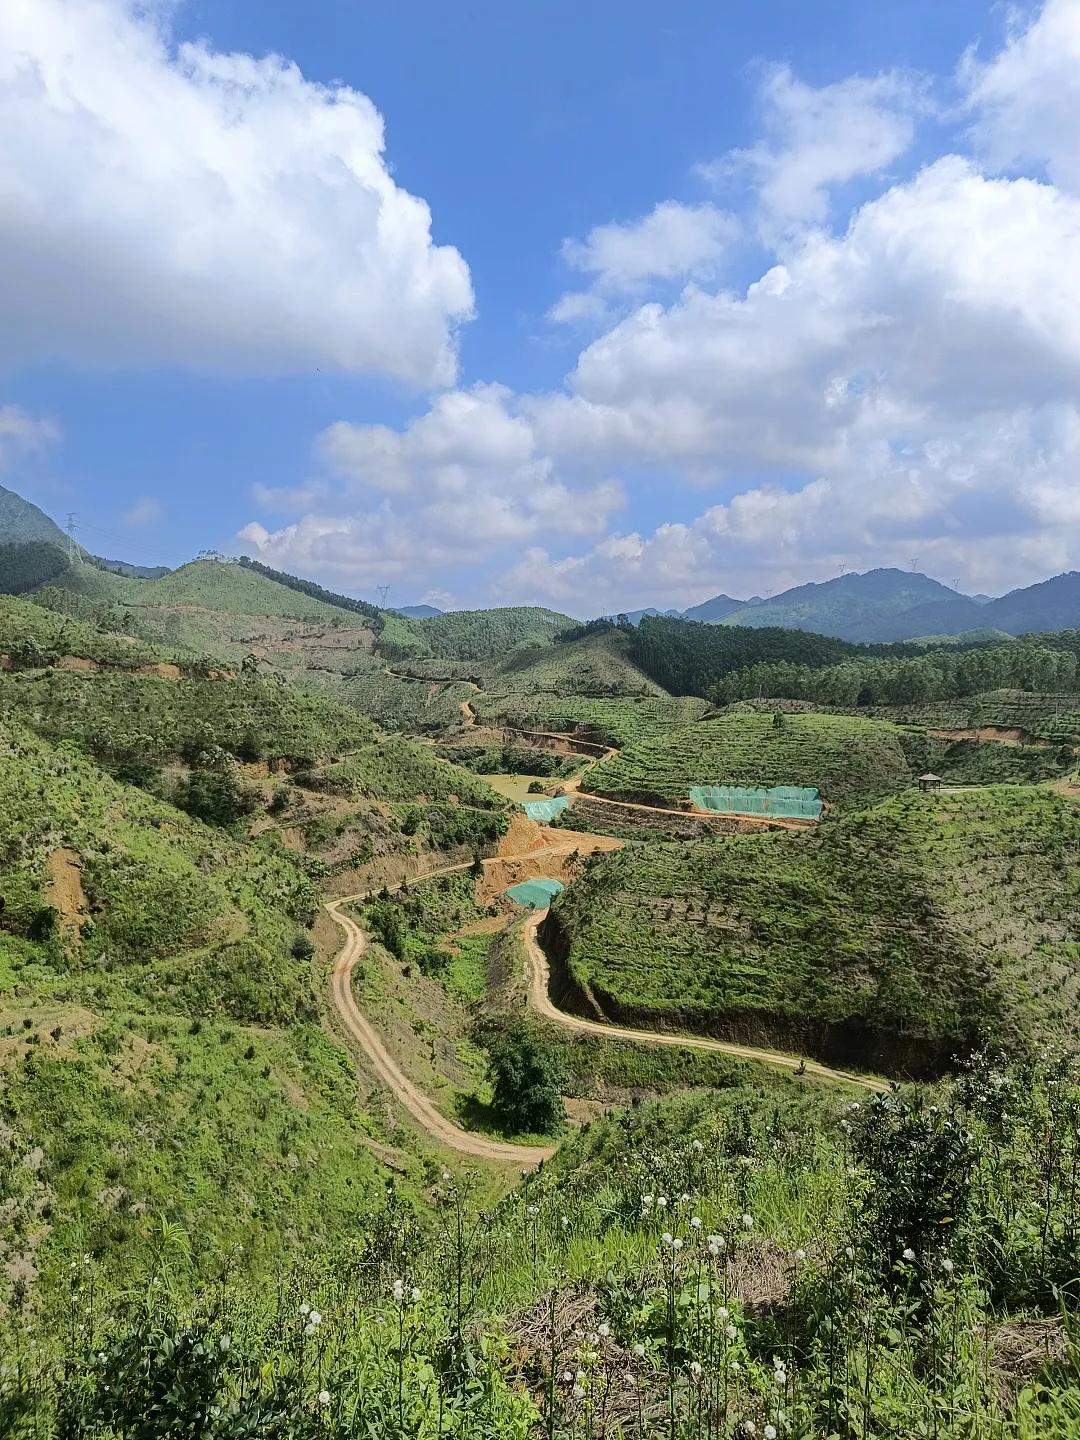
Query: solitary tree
{"type": "Point", "coordinates": [526, 1076]}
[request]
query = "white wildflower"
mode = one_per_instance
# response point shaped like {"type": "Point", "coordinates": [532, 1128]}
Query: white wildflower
{"type": "Point", "coordinates": [769, 1432]}
{"type": "Point", "coordinates": [667, 1238]}
{"type": "Point", "coordinates": [324, 1397]}
{"type": "Point", "coordinates": [697, 1145]}
{"type": "Point", "coordinates": [676, 1244]}
{"type": "Point", "coordinates": [849, 1252]}
{"type": "Point", "coordinates": [305, 1309]}
{"type": "Point", "coordinates": [909, 1254]}
{"type": "Point", "coordinates": [417, 1294]}
{"type": "Point", "coordinates": [748, 1222]}
{"type": "Point", "coordinates": [309, 1329]}
{"type": "Point", "coordinates": [749, 1427]}
{"type": "Point", "coordinates": [800, 1256]}
{"type": "Point", "coordinates": [684, 1199]}
{"type": "Point", "coordinates": [661, 1202]}
{"type": "Point", "coordinates": [603, 1331]}
{"type": "Point", "coordinates": [316, 1318]}
{"type": "Point", "coordinates": [695, 1369]}
{"type": "Point", "coordinates": [947, 1265]}
{"type": "Point", "coordinates": [646, 1201]}
{"type": "Point", "coordinates": [639, 1350]}
{"type": "Point", "coordinates": [731, 1332]}
{"type": "Point", "coordinates": [446, 1174]}
{"type": "Point", "coordinates": [579, 1392]}
{"type": "Point", "coordinates": [721, 1313]}
{"type": "Point", "coordinates": [224, 1343]}
{"type": "Point", "coordinates": [695, 1222]}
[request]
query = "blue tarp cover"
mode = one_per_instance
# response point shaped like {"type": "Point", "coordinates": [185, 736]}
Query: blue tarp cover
{"type": "Point", "coordinates": [786, 802]}
{"type": "Point", "coordinates": [536, 893]}
{"type": "Point", "coordinates": [545, 810]}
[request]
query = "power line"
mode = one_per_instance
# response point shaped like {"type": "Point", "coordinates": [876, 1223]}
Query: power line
{"type": "Point", "coordinates": [73, 544]}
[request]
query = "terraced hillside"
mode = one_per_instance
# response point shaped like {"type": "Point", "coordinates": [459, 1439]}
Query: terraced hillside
{"type": "Point", "coordinates": [847, 759]}
{"type": "Point", "coordinates": [418, 706]}
{"type": "Point", "coordinates": [893, 937]}
{"type": "Point", "coordinates": [225, 610]}
{"type": "Point", "coordinates": [482, 635]}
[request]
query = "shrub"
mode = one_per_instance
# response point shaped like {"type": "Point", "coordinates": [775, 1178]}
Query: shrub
{"type": "Point", "coordinates": [526, 1077]}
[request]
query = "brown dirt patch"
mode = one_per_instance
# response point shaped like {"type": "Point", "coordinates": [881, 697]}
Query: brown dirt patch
{"type": "Point", "coordinates": [66, 892]}
{"type": "Point", "coordinates": [76, 662]}
{"type": "Point", "coordinates": [558, 856]}
{"type": "Point", "coordinates": [163, 671]}
{"type": "Point", "coordinates": [1002, 734]}
{"type": "Point", "coordinates": [1021, 1350]}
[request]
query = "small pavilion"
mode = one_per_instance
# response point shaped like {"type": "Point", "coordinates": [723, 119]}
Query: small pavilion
{"type": "Point", "coordinates": [929, 784]}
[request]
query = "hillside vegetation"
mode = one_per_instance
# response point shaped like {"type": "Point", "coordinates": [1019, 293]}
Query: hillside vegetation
{"type": "Point", "coordinates": [123, 717]}
{"type": "Point", "coordinates": [32, 636]}
{"type": "Point", "coordinates": [895, 937]}
{"type": "Point", "coordinates": [483, 635]}
{"type": "Point", "coordinates": [596, 665]}
{"type": "Point", "coordinates": [845, 758]}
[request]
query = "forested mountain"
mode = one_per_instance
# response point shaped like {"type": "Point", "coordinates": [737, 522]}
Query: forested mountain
{"type": "Point", "coordinates": [880, 605]}
{"type": "Point", "coordinates": [21, 521]}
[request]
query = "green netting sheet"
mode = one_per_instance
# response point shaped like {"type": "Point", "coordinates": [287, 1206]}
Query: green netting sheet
{"type": "Point", "coordinates": [545, 810]}
{"type": "Point", "coordinates": [535, 893]}
{"type": "Point", "coordinates": [785, 802]}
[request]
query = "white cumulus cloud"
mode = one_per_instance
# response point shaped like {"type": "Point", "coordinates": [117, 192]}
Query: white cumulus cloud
{"type": "Point", "coordinates": [816, 138]}
{"type": "Point", "coordinates": [162, 204]}
{"type": "Point", "coordinates": [901, 384]}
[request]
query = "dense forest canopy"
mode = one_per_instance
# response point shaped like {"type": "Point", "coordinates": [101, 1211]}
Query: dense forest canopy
{"type": "Point", "coordinates": [1044, 663]}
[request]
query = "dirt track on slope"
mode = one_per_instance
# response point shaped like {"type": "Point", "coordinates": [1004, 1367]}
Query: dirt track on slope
{"type": "Point", "coordinates": [540, 1000]}
{"type": "Point", "coordinates": [420, 1107]}
{"type": "Point", "coordinates": [387, 1069]}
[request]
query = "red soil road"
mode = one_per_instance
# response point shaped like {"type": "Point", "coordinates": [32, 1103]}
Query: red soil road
{"type": "Point", "coordinates": [540, 1000]}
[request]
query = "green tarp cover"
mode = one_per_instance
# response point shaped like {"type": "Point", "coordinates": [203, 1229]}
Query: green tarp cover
{"type": "Point", "coordinates": [545, 810]}
{"type": "Point", "coordinates": [536, 893]}
{"type": "Point", "coordinates": [785, 802]}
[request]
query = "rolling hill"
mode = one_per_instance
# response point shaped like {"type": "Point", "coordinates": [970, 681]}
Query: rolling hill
{"type": "Point", "coordinates": [894, 937]}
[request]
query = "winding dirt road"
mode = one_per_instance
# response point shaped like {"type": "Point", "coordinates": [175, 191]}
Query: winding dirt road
{"type": "Point", "coordinates": [541, 1002]}
{"type": "Point", "coordinates": [389, 1072]}
{"type": "Point", "coordinates": [421, 1108]}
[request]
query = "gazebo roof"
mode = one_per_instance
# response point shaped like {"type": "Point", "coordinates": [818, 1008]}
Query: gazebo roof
{"type": "Point", "coordinates": [928, 776]}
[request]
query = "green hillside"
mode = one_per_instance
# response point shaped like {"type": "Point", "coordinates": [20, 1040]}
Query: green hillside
{"type": "Point", "coordinates": [33, 636]}
{"type": "Point", "coordinates": [134, 941]}
{"type": "Point", "coordinates": [892, 937]}
{"type": "Point", "coordinates": [225, 610]}
{"type": "Point", "coordinates": [142, 717]}
{"type": "Point", "coordinates": [847, 759]}
{"type": "Point", "coordinates": [597, 665]}
{"type": "Point", "coordinates": [421, 707]}
{"type": "Point", "coordinates": [472, 634]}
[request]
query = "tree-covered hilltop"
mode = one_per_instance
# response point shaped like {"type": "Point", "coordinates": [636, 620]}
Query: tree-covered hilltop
{"type": "Point", "coordinates": [1047, 663]}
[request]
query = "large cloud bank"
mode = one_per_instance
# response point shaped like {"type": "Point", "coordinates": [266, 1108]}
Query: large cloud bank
{"type": "Point", "coordinates": [164, 204]}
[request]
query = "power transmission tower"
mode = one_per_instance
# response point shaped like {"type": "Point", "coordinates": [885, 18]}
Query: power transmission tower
{"type": "Point", "coordinates": [914, 564]}
{"type": "Point", "coordinates": [73, 544]}
{"type": "Point", "coordinates": [842, 569]}
{"type": "Point", "coordinates": [383, 590]}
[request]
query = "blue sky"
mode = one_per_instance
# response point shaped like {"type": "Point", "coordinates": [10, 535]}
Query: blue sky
{"type": "Point", "coordinates": [713, 297]}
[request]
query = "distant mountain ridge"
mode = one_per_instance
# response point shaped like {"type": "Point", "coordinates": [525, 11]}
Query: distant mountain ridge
{"type": "Point", "coordinates": [887, 604]}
